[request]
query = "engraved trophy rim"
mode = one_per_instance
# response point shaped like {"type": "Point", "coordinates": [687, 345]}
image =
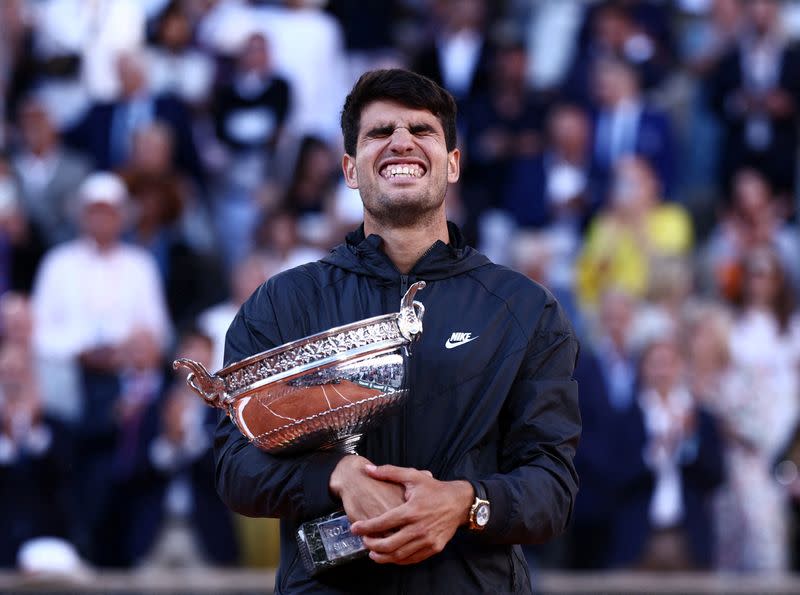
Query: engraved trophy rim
{"type": "Point", "coordinates": [224, 387]}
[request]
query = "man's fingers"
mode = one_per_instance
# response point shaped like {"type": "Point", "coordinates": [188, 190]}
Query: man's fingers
{"type": "Point", "coordinates": [389, 543]}
{"type": "Point", "coordinates": [389, 521]}
{"type": "Point", "coordinates": [409, 554]}
{"type": "Point", "coordinates": [396, 474]}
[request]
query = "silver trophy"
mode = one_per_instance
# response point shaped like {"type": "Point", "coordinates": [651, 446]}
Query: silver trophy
{"type": "Point", "coordinates": [320, 392]}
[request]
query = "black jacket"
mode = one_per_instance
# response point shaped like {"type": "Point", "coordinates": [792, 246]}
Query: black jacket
{"type": "Point", "coordinates": [502, 408]}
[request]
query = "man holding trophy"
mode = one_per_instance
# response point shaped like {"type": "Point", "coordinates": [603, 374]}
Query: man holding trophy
{"type": "Point", "coordinates": [477, 458]}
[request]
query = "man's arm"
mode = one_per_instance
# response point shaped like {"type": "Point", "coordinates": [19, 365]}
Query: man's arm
{"type": "Point", "coordinates": [533, 494]}
{"type": "Point", "coordinates": [298, 487]}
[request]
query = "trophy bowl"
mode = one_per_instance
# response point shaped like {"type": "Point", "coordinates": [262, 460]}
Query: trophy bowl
{"type": "Point", "coordinates": [319, 392]}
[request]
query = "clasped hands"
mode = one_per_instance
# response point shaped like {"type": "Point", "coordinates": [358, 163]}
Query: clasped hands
{"type": "Point", "coordinates": [403, 515]}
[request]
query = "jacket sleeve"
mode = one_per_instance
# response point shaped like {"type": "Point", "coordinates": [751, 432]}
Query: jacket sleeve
{"type": "Point", "coordinates": [250, 481]}
{"type": "Point", "coordinates": [533, 495]}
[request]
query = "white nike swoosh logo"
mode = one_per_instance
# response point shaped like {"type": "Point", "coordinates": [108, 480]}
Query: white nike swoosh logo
{"type": "Point", "coordinates": [450, 345]}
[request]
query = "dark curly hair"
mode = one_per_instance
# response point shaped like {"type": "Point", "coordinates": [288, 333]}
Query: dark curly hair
{"type": "Point", "coordinates": [401, 86]}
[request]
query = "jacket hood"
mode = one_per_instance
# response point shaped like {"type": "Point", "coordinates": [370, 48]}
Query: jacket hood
{"type": "Point", "coordinates": [364, 255]}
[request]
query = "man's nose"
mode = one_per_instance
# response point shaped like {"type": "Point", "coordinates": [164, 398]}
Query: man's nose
{"type": "Point", "coordinates": [401, 141]}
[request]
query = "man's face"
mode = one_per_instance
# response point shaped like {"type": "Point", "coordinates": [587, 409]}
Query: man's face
{"type": "Point", "coordinates": [402, 165]}
{"type": "Point", "coordinates": [103, 223]}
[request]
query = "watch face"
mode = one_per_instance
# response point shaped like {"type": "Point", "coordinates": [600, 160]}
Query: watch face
{"type": "Point", "coordinates": [482, 515]}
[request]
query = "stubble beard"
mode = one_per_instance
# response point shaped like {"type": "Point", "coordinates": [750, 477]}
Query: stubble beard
{"type": "Point", "coordinates": [410, 211]}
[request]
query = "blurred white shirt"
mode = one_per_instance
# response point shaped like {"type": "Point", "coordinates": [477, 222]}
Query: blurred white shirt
{"type": "Point", "coordinates": [84, 298]}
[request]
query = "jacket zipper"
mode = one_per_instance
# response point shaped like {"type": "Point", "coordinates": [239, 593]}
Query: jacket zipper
{"type": "Point", "coordinates": [404, 441]}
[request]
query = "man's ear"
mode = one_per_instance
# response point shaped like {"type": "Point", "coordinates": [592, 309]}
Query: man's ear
{"type": "Point", "coordinates": [453, 166]}
{"type": "Point", "coordinates": [349, 169]}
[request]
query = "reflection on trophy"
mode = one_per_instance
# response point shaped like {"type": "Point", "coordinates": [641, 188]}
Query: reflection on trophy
{"type": "Point", "coordinates": [319, 392]}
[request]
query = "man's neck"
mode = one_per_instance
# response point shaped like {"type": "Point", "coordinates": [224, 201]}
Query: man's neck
{"type": "Point", "coordinates": [405, 246]}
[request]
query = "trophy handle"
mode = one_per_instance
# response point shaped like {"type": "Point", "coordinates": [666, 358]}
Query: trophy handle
{"type": "Point", "coordinates": [411, 313]}
{"type": "Point", "coordinates": [209, 386]}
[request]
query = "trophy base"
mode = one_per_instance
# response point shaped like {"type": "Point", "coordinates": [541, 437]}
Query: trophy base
{"type": "Point", "coordinates": [326, 542]}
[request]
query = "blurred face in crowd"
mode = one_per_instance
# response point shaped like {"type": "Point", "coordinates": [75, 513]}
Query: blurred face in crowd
{"type": "Point", "coordinates": [635, 189]}
{"type": "Point", "coordinates": [16, 318]}
{"type": "Point", "coordinates": [613, 81]}
{"type": "Point", "coordinates": [511, 65]}
{"type": "Point", "coordinates": [754, 207]}
{"type": "Point", "coordinates": [616, 315]}
{"type": "Point", "coordinates": [142, 350]}
{"type": "Point", "coordinates": [401, 166]}
{"type": "Point", "coordinates": [569, 133]}
{"type": "Point", "coordinates": [103, 222]}
{"type": "Point", "coordinates": [611, 28]}
{"type": "Point", "coordinates": [254, 57]}
{"type": "Point", "coordinates": [196, 347]}
{"type": "Point", "coordinates": [763, 14]}
{"type": "Point", "coordinates": [175, 31]}
{"type": "Point", "coordinates": [461, 14]}
{"type": "Point", "coordinates": [152, 149]}
{"type": "Point", "coordinates": [37, 128]}
{"type": "Point", "coordinates": [662, 366]}
{"type": "Point", "coordinates": [249, 274]}
{"type": "Point", "coordinates": [132, 77]}
{"type": "Point", "coordinates": [707, 342]}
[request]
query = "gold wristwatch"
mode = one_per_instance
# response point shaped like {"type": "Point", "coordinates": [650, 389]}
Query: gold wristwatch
{"type": "Point", "coordinates": [480, 510]}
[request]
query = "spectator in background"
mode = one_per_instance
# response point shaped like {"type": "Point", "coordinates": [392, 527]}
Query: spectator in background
{"type": "Point", "coordinates": [500, 124]}
{"type": "Point", "coordinates": [174, 65]}
{"type": "Point", "coordinates": [555, 187]}
{"type": "Point", "coordinates": [48, 173]}
{"type": "Point", "coordinates": [178, 519]}
{"type": "Point", "coordinates": [246, 277]}
{"type": "Point", "coordinates": [277, 233]}
{"type": "Point", "coordinates": [315, 68]}
{"type": "Point", "coordinates": [459, 56]}
{"type": "Point", "coordinates": [367, 32]}
{"type": "Point", "coordinates": [113, 479]}
{"type": "Point", "coordinates": [754, 219]}
{"type": "Point", "coordinates": [21, 246]}
{"type": "Point", "coordinates": [632, 32]}
{"type": "Point", "coordinates": [667, 464]}
{"type": "Point", "coordinates": [250, 110]}
{"type": "Point", "coordinates": [106, 132]}
{"type": "Point", "coordinates": [624, 239]}
{"type": "Point", "coordinates": [606, 373]}
{"type": "Point", "coordinates": [625, 123]}
{"type": "Point", "coordinates": [249, 113]}
{"type": "Point", "coordinates": [36, 454]}
{"type": "Point", "coordinates": [97, 303]}
{"type": "Point", "coordinates": [192, 280]}
{"type": "Point", "coordinates": [92, 292]}
{"type": "Point", "coordinates": [754, 91]}
{"type": "Point", "coordinates": [71, 52]}
{"type": "Point", "coordinates": [310, 191]}
{"type": "Point", "coordinates": [98, 33]}
{"type": "Point", "coordinates": [152, 156]}
{"type": "Point", "coordinates": [764, 349]}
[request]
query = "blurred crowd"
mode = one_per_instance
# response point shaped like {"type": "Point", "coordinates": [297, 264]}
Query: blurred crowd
{"type": "Point", "coordinates": [159, 159]}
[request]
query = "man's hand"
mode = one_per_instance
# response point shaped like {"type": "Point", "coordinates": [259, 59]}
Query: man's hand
{"type": "Point", "coordinates": [363, 497]}
{"type": "Point", "coordinates": [423, 525]}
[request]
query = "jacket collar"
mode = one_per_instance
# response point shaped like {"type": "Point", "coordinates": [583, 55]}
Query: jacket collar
{"type": "Point", "coordinates": [364, 254]}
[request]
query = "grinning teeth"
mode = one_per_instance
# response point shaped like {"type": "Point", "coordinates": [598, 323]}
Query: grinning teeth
{"type": "Point", "coordinates": [412, 170]}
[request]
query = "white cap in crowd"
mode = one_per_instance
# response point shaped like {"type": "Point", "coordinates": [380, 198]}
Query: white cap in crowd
{"type": "Point", "coordinates": [103, 188]}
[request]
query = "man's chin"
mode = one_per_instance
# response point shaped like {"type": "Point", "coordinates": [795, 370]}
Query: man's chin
{"type": "Point", "coordinates": [402, 214]}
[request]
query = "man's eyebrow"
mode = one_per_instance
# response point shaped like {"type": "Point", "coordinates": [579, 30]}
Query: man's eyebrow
{"type": "Point", "coordinates": [421, 127]}
{"type": "Point", "coordinates": [387, 129]}
{"type": "Point", "coordinates": [380, 130]}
